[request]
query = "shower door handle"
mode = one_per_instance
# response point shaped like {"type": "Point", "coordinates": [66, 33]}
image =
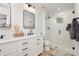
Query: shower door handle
{"type": "Point", "coordinates": [59, 32]}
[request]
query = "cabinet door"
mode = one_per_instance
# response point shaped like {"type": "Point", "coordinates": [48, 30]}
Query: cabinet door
{"type": "Point", "coordinates": [32, 47]}
{"type": "Point", "coordinates": [7, 48]}
{"type": "Point", "coordinates": [55, 33]}
{"type": "Point", "coordinates": [35, 46]}
{"type": "Point", "coordinates": [39, 46]}
{"type": "Point", "coordinates": [22, 47]}
{"type": "Point", "coordinates": [12, 53]}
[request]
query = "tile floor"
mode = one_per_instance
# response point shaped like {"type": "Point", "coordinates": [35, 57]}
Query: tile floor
{"type": "Point", "coordinates": [56, 52]}
{"type": "Point", "coordinates": [52, 52]}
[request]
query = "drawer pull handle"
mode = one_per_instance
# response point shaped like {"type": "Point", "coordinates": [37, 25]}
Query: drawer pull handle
{"type": "Point", "coordinates": [25, 43]}
{"type": "Point", "coordinates": [25, 54]}
{"type": "Point", "coordinates": [0, 50]}
{"type": "Point", "coordinates": [38, 39]}
{"type": "Point", "coordinates": [25, 49]}
{"type": "Point", "coordinates": [37, 43]}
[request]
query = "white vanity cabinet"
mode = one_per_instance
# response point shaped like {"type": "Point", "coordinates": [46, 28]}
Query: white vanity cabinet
{"type": "Point", "coordinates": [31, 46]}
{"type": "Point", "coordinates": [8, 48]}
{"type": "Point", "coordinates": [36, 46]}
{"type": "Point", "coordinates": [39, 45]}
{"type": "Point", "coordinates": [22, 47]}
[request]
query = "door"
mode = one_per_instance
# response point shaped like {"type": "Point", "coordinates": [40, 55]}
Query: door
{"type": "Point", "coordinates": [60, 37]}
{"type": "Point", "coordinates": [55, 34]}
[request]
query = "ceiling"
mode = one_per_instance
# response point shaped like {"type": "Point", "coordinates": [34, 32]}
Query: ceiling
{"type": "Point", "coordinates": [54, 7]}
{"type": "Point", "coordinates": [5, 5]}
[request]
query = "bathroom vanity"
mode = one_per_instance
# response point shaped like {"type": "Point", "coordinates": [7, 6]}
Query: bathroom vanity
{"type": "Point", "coordinates": [22, 46]}
{"type": "Point", "coordinates": [18, 17]}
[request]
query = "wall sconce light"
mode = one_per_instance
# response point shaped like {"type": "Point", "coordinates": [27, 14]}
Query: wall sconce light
{"type": "Point", "coordinates": [29, 5]}
{"type": "Point", "coordinates": [73, 12]}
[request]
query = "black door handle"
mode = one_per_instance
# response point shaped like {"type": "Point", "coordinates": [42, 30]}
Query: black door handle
{"type": "Point", "coordinates": [59, 32]}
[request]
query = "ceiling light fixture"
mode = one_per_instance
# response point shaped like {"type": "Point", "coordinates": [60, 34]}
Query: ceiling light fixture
{"type": "Point", "coordinates": [29, 5]}
{"type": "Point", "coordinates": [58, 9]}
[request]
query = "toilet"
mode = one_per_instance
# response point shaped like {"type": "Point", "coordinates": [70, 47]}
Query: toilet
{"type": "Point", "coordinates": [46, 45]}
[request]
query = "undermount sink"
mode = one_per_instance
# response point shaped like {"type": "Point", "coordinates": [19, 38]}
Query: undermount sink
{"type": "Point", "coordinates": [3, 37]}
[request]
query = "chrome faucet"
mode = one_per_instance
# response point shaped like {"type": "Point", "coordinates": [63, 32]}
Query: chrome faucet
{"type": "Point", "coordinates": [2, 36]}
{"type": "Point", "coordinates": [30, 33]}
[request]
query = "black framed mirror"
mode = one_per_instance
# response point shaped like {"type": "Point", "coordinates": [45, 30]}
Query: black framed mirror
{"type": "Point", "coordinates": [28, 20]}
{"type": "Point", "coordinates": [5, 15]}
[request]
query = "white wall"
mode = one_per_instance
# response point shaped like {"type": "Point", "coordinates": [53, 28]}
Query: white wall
{"type": "Point", "coordinates": [40, 20]}
{"type": "Point", "coordinates": [17, 18]}
{"type": "Point", "coordinates": [17, 10]}
{"type": "Point", "coordinates": [5, 9]}
{"type": "Point", "coordinates": [62, 41]}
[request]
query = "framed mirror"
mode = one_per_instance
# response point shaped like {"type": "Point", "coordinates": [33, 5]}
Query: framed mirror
{"type": "Point", "coordinates": [28, 20]}
{"type": "Point", "coordinates": [5, 15]}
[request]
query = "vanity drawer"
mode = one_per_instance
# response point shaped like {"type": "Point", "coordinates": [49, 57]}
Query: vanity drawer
{"type": "Point", "coordinates": [7, 47]}
{"type": "Point", "coordinates": [24, 54]}
{"type": "Point", "coordinates": [22, 43]}
{"type": "Point", "coordinates": [10, 53]}
{"type": "Point", "coordinates": [22, 50]}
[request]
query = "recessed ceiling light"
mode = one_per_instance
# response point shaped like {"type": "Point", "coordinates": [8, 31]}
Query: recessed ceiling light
{"type": "Point", "coordinates": [43, 7]}
{"type": "Point", "coordinates": [58, 9]}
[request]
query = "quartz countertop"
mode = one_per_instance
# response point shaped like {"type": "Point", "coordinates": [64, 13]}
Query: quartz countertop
{"type": "Point", "coordinates": [16, 38]}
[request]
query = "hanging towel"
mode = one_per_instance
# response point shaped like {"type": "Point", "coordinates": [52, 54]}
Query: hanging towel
{"type": "Point", "coordinates": [77, 29]}
{"type": "Point", "coordinates": [72, 29]}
